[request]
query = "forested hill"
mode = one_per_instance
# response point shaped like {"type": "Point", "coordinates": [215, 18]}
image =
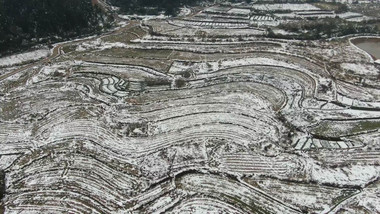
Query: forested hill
{"type": "Point", "coordinates": [28, 22]}
{"type": "Point", "coordinates": [170, 7]}
{"type": "Point", "coordinates": [24, 23]}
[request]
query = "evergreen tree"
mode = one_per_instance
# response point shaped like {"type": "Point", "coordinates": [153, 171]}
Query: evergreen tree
{"type": "Point", "coordinates": [22, 20]}
{"type": "Point", "coordinates": [170, 7]}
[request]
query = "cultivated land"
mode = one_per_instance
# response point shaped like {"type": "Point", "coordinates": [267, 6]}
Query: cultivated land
{"type": "Point", "coordinates": [197, 114]}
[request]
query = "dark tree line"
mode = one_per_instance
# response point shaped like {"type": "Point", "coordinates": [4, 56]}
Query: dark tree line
{"type": "Point", "coordinates": [25, 22]}
{"type": "Point", "coordinates": [170, 7]}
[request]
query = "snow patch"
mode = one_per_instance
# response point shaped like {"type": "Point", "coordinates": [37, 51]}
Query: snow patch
{"type": "Point", "coordinates": [364, 69]}
{"type": "Point", "coordinates": [353, 175]}
{"type": "Point", "coordinates": [99, 45]}
{"type": "Point", "coordinates": [24, 57]}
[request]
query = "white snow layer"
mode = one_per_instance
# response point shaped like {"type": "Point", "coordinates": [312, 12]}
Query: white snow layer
{"type": "Point", "coordinates": [24, 57]}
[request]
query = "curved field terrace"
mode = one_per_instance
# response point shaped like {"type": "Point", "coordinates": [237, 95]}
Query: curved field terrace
{"type": "Point", "coordinates": [197, 114]}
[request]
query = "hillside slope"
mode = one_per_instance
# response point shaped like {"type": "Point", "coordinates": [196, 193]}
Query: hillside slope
{"type": "Point", "coordinates": [28, 22]}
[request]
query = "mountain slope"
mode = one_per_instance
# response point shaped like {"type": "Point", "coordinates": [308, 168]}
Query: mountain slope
{"type": "Point", "coordinates": [27, 22]}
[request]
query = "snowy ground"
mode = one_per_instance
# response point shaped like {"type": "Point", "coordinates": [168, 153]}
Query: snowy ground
{"type": "Point", "coordinates": [24, 57]}
{"type": "Point", "coordinates": [292, 7]}
{"type": "Point", "coordinates": [193, 119]}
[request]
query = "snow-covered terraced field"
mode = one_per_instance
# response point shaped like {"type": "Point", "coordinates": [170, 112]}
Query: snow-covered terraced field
{"type": "Point", "coordinates": [203, 24]}
{"type": "Point", "coordinates": [284, 7]}
{"type": "Point", "coordinates": [248, 125]}
{"type": "Point", "coordinates": [261, 18]}
{"type": "Point", "coordinates": [194, 29]}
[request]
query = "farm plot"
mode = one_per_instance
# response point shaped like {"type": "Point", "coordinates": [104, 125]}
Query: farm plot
{"type": "Point", "coordinates": [248, 199]}
{"type": "Point", "coordinates": [204, 28]}
{"type": "Point", "coordinates": [114, 86]}
{"type": "Point", "coordinates": [217, 9]}
{"type": "Point", "coordinates": [219, 17]}
{"type": "Point", "coordinates": [351, 94]}
{"type": "Point", "coordinates": [261, 18]}
{"type": "Point", "coordinates": [349, 156]}
{"type": "Point", "coordinates": [203, 24]}
{"type": "Point", "coordinates": [189, 115]}
{"type": "Point", "coordinates": [243, 30]}
{"type": "Point", "coordinates": [256, 164]}
{"type": "Point", "coordinates": [316, 14]}
{"type": "Point", "coordinates": [309, 197]}
{"type": "Point", "coordinates": [343, 128]}
{"type": "Point", "coordinates": [239, 11]}
{"type": "Point", "coordinates": [310, 143]}
{"type": "Point", "coordinates": [90, 182]}
{"type": "Point", "coordinates": [284, 7]}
